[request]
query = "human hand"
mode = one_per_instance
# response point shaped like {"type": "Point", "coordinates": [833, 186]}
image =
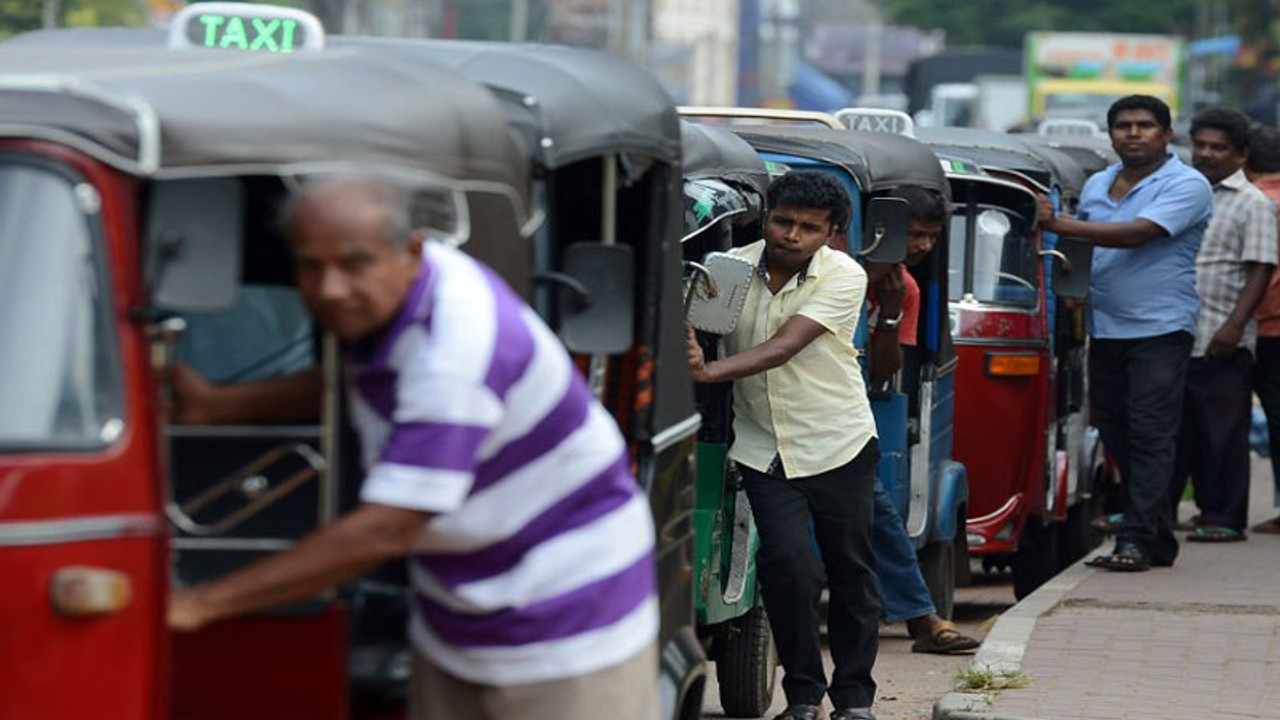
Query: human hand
{"type": "Point", "coordinates": [890, 291]}
{"type": "Point", "coordinates": [1225, 341]}
{"type": "Point", "coordinates": [1074, 303]}
{"type": "Point", "coordinates": [693, 351]}
{"type": "Point", "coordinates": [186, 611]}
{"type": "Point", "coordinates": [1047, 213]}
{"type": "Point", "coordinates": [189, 396]}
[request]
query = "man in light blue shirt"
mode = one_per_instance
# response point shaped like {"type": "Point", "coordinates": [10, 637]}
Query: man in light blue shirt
{"type": "Point", "coordinates": [1146, 216]}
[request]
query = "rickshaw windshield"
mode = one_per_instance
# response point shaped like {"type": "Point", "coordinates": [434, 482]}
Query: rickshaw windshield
{"type": "Point", "coordinates": [59, 378]}
{"type": "Point", "coordinates": [996, 263]}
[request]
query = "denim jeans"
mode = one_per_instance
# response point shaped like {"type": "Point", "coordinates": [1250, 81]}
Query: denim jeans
{"type": "Point", "coordinates": [903, 593]}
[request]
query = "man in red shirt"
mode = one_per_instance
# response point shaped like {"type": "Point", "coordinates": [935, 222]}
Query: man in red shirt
{"type": "Point", "coordinates": [1263, 170]}
{"type": "Point", "coordinates": [893, 309]}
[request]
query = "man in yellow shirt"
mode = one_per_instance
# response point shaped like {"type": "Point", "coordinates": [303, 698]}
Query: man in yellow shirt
{"type": "Point", "coordinates": [805, 443]}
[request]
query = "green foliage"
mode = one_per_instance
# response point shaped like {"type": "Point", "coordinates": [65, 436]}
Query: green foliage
{"type": "Point", "coordinates": [18, 16]}
{"type": "Point", "coordinates": [989, 682]}
{"type": "Point", "coordinates": [1005, 22]}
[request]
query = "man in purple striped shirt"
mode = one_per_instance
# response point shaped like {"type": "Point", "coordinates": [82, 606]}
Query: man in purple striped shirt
{"type": "Point", "coordinates": [489, 466]}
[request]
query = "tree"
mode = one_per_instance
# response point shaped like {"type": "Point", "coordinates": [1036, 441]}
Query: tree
{"type": "Point", "coordinates": [1005, 22]}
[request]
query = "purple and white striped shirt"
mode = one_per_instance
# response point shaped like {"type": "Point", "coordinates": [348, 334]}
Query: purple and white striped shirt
{"type": "Point", "coordinates": [539, 562]}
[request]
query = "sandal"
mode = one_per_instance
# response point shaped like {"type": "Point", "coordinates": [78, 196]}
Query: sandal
{"type": "Point", "coordinates": [1216, 534]}
{"type": "Point", "coordinates": [1190, 524]}
{"type": "Point", "coordinates": [1109, 524]}
{"type": "Point", "coordinates": [944, 640]}
{"type": "Point", "coordinates": [1268, 527]}
{"type": "Point", "coordinates": [800, 712]}
{"type": "Point", "coordinates": [1127, 557]}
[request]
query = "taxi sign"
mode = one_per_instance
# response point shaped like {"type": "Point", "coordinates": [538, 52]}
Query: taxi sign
{"type": "Point", "coordinates": [246, 27]}
{"type": "Point", "coordinates": [1069, 127]}
{"type": "Point", "coordinates": [894, 122]}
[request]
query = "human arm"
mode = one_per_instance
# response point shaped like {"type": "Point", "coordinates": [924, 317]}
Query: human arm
{"type": "Point", "coordinates": [1227, 337]}
{"type": "Point", "coordinates": [356, 543]}
{"type": "Point", "coordinates": [196, 401]}
{"type": "Point", "coordinates": [1176, 207]}
{"type": "Point", "coordinates": [792, 337]}
{"type": "Point", "coordinates": [884, 346]}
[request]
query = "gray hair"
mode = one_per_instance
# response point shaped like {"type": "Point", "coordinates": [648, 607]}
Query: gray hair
{"type": "Point", "coordinates": [393, 199]}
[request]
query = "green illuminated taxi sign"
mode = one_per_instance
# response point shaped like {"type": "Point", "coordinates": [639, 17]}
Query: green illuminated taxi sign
{"type": "Point", "coordinates": [245, 27]}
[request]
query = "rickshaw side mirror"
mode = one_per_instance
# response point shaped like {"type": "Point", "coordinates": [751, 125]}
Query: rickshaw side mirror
{"type": "Point", "coordinates": [884, 239]}
{"type": "Point", "coordinates": [1073, 260]}
{"type": "Point", "coordinates": [193, 243]}
{"type": "Point", "coordinates": [716, 291]}
{"type": "Point", "coordinates": [595, 298]}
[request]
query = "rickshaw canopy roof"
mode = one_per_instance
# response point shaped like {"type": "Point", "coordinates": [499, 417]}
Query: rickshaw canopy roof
{"type": "Point", "coordinates": [569, 103]}
{"type": "Point", "coordinates": [163, 112]}
{"type": "Point", "coordinates": [1091, 154]}
{"type": "Point", "coordinates": [716, 152]}
{"type": "Point", "coordinates": [991, 150]}
{"type": "Point", "coordinates": [880, 161]}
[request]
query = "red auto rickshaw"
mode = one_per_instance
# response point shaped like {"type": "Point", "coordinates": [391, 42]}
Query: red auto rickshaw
{"type": "Point", "coordinates": [1021, 416]}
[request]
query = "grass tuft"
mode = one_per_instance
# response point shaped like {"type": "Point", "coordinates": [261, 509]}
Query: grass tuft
{"type": "Point", "coordinates": [988, 681]}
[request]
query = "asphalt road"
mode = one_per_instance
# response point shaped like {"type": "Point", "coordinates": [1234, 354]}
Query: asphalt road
{"type": "Point", "coordinates": [909, 683]}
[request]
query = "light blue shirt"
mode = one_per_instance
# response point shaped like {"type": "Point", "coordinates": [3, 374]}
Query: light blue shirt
{"type": "Point", "coordinates": [1149, 290]}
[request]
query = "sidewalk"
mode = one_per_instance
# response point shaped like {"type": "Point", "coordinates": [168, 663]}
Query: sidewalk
{"type": "Point", "coordinates": [1199, 640]}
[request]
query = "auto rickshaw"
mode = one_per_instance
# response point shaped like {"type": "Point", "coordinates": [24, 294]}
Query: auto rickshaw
{"type": "Point", "coordinates": [725, 183]}
{"type": "Point", "coordinates": [913, 419]}
{"type": "Point", "coordinates": [167, 167]}
{"type": "Point", "coordinates": [606, 148]}
{"type": "Point", "coordinates": [1020, 393]}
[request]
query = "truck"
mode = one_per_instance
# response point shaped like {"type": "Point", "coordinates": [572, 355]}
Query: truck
{"type": "Point", "coordinates": [1078, 75]}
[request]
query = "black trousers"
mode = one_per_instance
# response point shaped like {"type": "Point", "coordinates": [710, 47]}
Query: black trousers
{"type": "Point", "coordinates": [836, 508]}
{"type": "Point", "coordinates": [1213, 445]}
{"type": "Point", "coordinates": [1266, 382]}
{"type": "Point", "coordinates": [1135, 392]}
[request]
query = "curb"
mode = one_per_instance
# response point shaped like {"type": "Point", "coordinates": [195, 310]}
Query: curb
{"type": "Point", "coordinates": [1004, 646]}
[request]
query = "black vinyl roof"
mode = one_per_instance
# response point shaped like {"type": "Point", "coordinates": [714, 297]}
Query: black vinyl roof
{"type": "Point", "coordinates": [880, 161]}
{"type": "Point", "coordinates": [716, 152]}
{"type": "Point", "coordinates": [1091, 154]}
{"type": "Point", "coordinates": [170, 112]}
{"type": "Point", "coordinates": [569, 103]}
{"type": "Point", "coordinates": [992, 150]}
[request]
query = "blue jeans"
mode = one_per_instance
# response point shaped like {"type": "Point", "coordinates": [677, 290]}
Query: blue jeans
{"type": "Point", "coordinates": [903, 594]}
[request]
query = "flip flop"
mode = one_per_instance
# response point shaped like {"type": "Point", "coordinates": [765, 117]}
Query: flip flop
{"type": "Point", "coordinates": [1267, 527]}
{"type": "Point", "coordinates": [1126, 558]}
{"type": "Point", "coordinates": [1216, 534]}
{"type": "Point", "coordinates": [944, 640]}
{"type": "Point", "coordinates": [1109, 524]}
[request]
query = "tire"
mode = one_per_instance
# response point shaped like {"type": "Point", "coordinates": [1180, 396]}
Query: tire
{"type": "Point", "coordinates": [938, 566]}
{"type": "Point", "coordinates": [747, 666]}
{"type": "Point", "coordinates": [1036, 560]}
{"type": "Point", "coordinates": [1077, 535]}
{"type": "Point", "coordinates": [964, 572]}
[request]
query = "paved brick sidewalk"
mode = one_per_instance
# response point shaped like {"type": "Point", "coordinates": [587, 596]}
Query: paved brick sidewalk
{"type": "Point", "coordinates": [1199, 640]}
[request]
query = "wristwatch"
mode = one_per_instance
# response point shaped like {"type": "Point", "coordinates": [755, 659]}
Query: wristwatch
{"type": "Point", "coordinates": [889, 323]}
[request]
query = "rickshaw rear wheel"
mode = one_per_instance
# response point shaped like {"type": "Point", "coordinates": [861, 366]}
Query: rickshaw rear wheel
{"type": "Point", "coordinates": [1036, 560]}
{"type": "Point", "coordinates": [938, 566]}
{"type": "Point", "coordinates": [747, 665]}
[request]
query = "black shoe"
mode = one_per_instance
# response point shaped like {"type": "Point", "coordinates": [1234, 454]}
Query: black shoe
{"type": "Point", "coordinates": [1127, 557]}
{"type": "Point", "coordinates": [847, 714]}
{"type": "Point", "coordinates": [800, 712]}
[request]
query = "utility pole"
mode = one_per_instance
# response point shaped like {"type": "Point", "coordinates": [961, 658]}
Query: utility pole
{"type": "Point", "coordinates": [52, 10]}
{"type": "Point", "coordinates": [519, 20]}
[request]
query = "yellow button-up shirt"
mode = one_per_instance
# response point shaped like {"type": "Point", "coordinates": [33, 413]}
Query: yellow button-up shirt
{"type": "Point", "coordinates": [811, 411]}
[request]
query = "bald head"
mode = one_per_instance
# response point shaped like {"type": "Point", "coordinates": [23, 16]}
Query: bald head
{"type": "Point", "coordinates": [348, 201]}
{"type": "Point", "coordinates": [354, 254]}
